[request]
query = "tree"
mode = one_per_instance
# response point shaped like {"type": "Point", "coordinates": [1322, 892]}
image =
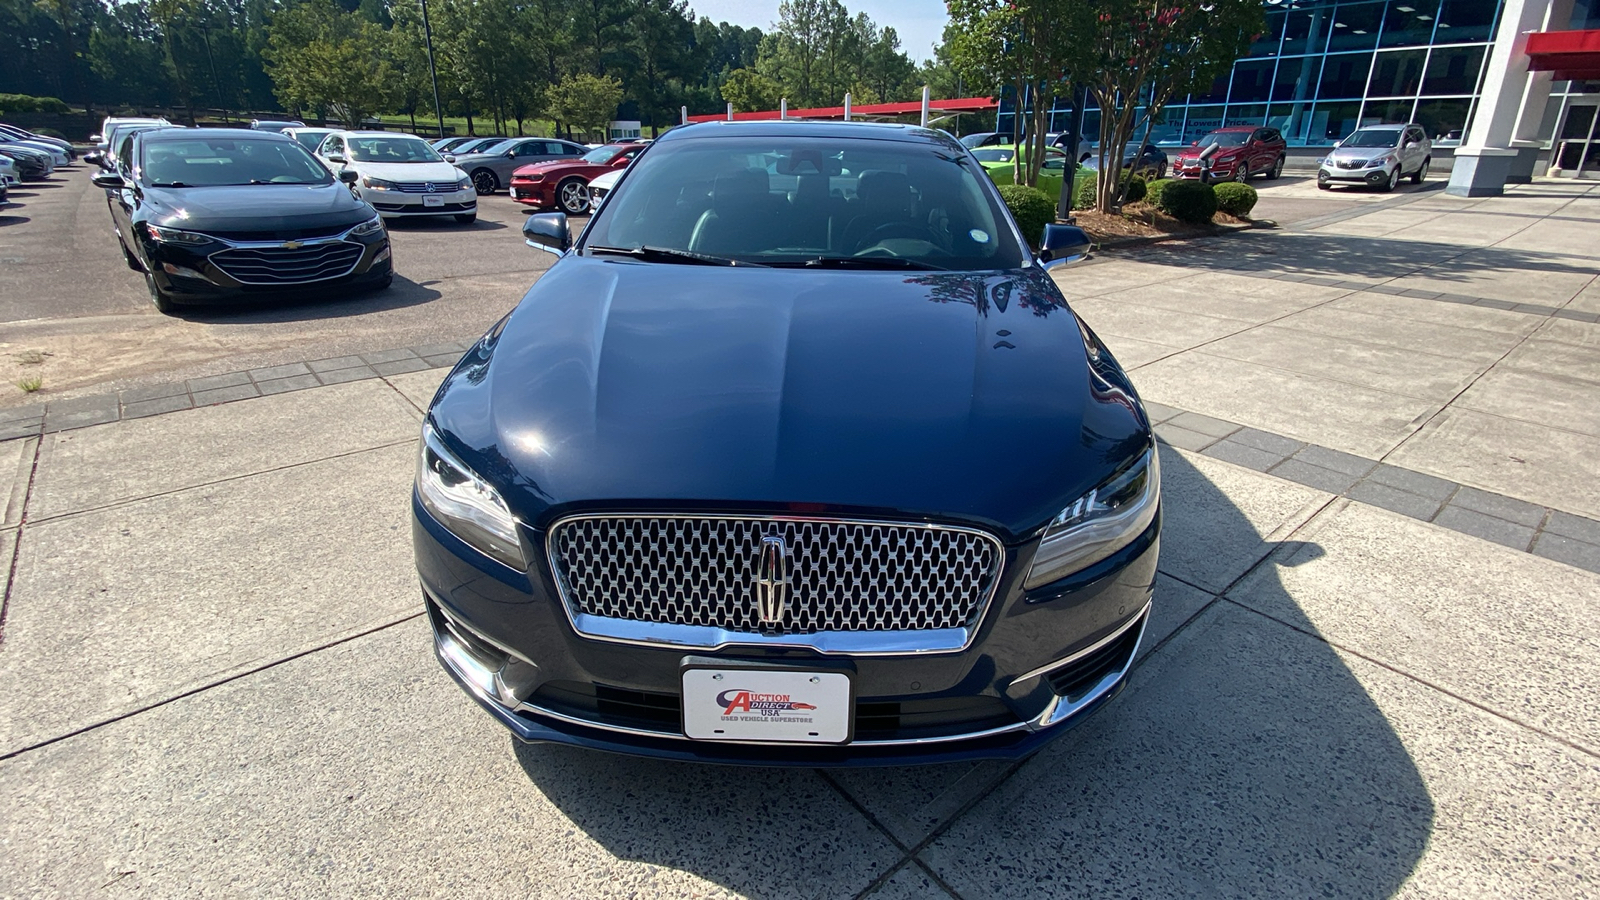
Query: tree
{"type": "Point", "coordinates": [586, 101]}
{"type": "Point", "coordinates": [322, 57]}
{"type": "Point", "coordinates": [750, 91]}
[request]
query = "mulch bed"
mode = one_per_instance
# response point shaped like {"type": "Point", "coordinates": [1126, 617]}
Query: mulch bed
{"type": "Point", "coordinates": [1143, 221]}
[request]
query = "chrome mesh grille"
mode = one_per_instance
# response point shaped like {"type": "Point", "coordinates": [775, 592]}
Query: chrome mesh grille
{"type": "Point", "coordinates": [280, 265]}
{"type": "Point", "coordinates": [843, 576]}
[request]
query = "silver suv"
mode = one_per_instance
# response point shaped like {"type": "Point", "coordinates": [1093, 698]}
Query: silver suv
{"type": "Point", "coordinates": [1378, 156]}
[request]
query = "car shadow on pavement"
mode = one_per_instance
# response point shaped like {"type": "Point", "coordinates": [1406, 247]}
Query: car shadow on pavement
{"type": "Point", "coordinates": [427, 225]}
{"type": "Point", "coordinates": [1243, 760]}
{"type": "Point", "coordinates": [13, 220]}
{"type": "Point", "coordinates": [403, 292]}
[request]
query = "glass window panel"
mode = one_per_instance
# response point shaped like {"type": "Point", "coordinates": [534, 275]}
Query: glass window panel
{"type": "Point", "coordinates": [1217, 94]}
{"type": "Point", "coordinates": [1266, 43]}
{"type": "Point", "coordinates": [1387, 112]}
{"type": "Point", "coordinates": [1465, 20]}
{"type": "Point", "coordinates": [1297, 78]}
{"type": "Point", "coordinates": [1344, 75]}
{"type": "Point", "coordinates": [1252, 81]}
{"type": "Point", "coordinates": [1306, 30]}
{"type": "Point", "coordinates": [1202, 119]}
{"type": "Point", "coordinates": [1409, 23]}
{"type": "Point", "coordinates": [1444, 120]}
{"type": "Point", "coordinates": [1252, 114]}
{"type": "Point", "coordinates": [1397, 74]}
{"type": "Point", "coordinates": [1453, 70]}
{"type": "Point", "coordinates": [1355, 26]}
{"type": "Point", "coordinates": [1332, 122]}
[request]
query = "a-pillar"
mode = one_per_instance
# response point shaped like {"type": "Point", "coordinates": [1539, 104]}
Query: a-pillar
{"type": "Point", "coordinates": [1485, 160]}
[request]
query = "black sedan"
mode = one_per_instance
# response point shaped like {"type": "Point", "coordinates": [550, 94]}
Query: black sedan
{"type": "Point", "coordinates": [216, 214]}
{"type": "Point", "coordinates": [798, 457]}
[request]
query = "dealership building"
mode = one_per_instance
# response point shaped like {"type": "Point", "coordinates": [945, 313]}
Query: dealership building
{"type": "Point", "coordinates": [1526, 73]}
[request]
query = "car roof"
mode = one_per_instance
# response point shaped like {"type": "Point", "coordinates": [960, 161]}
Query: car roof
{"type": "Point", "coordinates": [1237, 128]}
{"type": "Point", "coordinates": [392, 134]}
{"type": "Point", "coordinates": [1387, 126]}
{"type": "Point", "coordinates": [163, 135]}
{"type": "Point", "coordinates": [793, 128]}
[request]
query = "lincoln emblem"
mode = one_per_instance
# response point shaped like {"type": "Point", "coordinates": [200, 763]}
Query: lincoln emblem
{"type": "Point", "coordinates": [772, 579]}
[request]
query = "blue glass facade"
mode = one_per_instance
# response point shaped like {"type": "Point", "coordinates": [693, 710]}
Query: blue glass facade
{"type": "Point", "coordinates": [1321, 68]}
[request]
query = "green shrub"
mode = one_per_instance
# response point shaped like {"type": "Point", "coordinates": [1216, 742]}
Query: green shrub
{"type": "Point", "coordinates": [1189, 201]}
{"type": "Point", "coordinates": [23, 103]}
{"type": "Point", "coordinates": [1084, 196]}
{"type": "Point", "coordinates": [50, 132]}
{"type": "Point", "coordinates": [1153, 189]}
{"type": "Point", "coordinates": [1032, 209]}
{"type": "Point", "coordinates": [1134, 189]}
{"type": "Point", "coordinates": [1236, 199]}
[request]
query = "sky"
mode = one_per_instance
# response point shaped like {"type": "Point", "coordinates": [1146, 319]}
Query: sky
{"type": "Point", "coordinates": [918, 22]}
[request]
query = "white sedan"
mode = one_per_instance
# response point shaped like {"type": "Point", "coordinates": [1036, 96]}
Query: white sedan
{"type": "Point", "coordinates": [400, 175]}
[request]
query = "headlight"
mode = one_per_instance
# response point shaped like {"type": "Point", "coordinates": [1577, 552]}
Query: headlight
{"type": "Point", "coordinates": [174, 236]}
{"type": "Point", "coordinates": [1100, 523]}
{"type": "Point", "coordinates": [370, 226]}
{"type": "Point", "coordinates": [463, 183]}
{"type": "Point", "coordinates": [533, 178]}
{"type": "Point", "coordinates": [378, 184]}
{"type": "Point", "coordinates": [464, 503]}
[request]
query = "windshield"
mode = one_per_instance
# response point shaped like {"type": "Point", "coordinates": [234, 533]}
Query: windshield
{"type": "Point", "coordinates": [493, 146]}
{"type": "Point", "coordinates": [390, 150]}
{"type": "Point", "coordinates": [602, 155]}
{"type": "Point", "coordinates": [310, 139]}
{"type": "Point", "coordinates": [1225, 139]}
{"type": "Point", "coordinates": [993, 154]}
{"type": "Point", "coordinates": [472, 145]}
{"type": "Point", "coordinates": [216, 161]}
{"type": "Point", "coordinates": [1373, 139]}
{"type": "Point", "coordinates": [805, 201]}
{"type": "Point", "coordinates": [976, 140]}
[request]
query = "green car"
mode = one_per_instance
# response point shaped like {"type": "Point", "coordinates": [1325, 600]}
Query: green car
{"type": "Point", "coordinates": [997, 161]}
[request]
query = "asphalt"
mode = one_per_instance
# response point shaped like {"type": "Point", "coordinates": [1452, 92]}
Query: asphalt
{"type": "Point", "coordinates": [215, 681]}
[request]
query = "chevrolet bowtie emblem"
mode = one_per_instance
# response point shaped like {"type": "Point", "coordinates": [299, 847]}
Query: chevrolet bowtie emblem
{"type": "Point", "coordinates": [291, 245]}
{"type": "Point", "coordinates": [772, 580]}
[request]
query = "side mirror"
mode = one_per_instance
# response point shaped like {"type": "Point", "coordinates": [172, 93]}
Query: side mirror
{"type": "Point", "coordinates": [450, 158]}
{"type": "Point", "coordinates": [336, 157]}
{"type": "Point", "coordinates": [111, 181]}
{"type": "Point", "coordinates": [96, 138]}
{"type": "Point", "coordinates": [93, 156]}
{"type": "Point", "coordinates": [1336, 144]}
{"type": "Point", "coordinates": [1063, 244]}
{"type": "Point", "coordinates": [349, 176]}
{"type": "Point", "coordinates": [511, 154]}
{"type": "Point", "coordinates": [547, 232]}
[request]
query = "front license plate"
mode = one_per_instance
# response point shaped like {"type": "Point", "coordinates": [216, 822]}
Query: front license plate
{"type": "Point", "coordinates": [432, 201]}
{"type": "Point", "coordinates": [792, 706]}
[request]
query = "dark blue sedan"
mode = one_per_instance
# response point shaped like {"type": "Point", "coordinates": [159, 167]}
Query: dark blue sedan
{"type": "Point", "coordinates": [796, 456]}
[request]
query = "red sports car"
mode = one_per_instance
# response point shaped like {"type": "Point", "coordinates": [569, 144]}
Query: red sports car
{"type": "Point", "coordinates": [564, 183]}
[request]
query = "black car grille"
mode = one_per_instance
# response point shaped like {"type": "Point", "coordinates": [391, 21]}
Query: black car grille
{"type": "Point", "coordinates": [282, 266]}
{"type": "Point", "coordinates": [843, 576]}
{"type": "Point", "coordinates": [1351, 163]}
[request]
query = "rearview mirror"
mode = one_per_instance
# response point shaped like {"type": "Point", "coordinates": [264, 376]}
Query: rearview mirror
{"type": "Point", "coordinates": [547, 232]}
{"type": "Point", "coordinates": [1063, 244]}
{"type": "Point", "coordinates": [111, 181]}
{"type": "Point", "coordinates": [349, 176]}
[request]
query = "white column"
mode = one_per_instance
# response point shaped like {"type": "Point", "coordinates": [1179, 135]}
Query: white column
{"type": "Point", "coordinates": [926, 95]}
{"type": "Point", "coordinates": [847, 107]}
{"type": "Point", "coordinates": [783, 107]}
{"type": "Point", "coordinates": [683, 113]}
{"type": "Point", "coordinates": [1535, 97]}
{"type": "Point", "coordinates": [1483, 161]}
{"type": "Point", "coordinates": [730, 112]}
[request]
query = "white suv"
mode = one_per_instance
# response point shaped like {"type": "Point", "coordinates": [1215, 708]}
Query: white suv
{"type": "Point", "coordinates": [400, 175]}
{"type": "Point", "coordinates": [1378, 156]}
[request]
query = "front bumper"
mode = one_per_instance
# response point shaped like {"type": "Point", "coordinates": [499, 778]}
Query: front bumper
{"type": "Point", "coordinates": [1041, 662]}
{"type": "Point", "coordinates": [400, 204]}
{"type": "Point", "coordinates": [1371, 175]}
{"type": "Point", "coordinates": [201, 274]}
{"type": "Point", "coordinates": [534, 193]}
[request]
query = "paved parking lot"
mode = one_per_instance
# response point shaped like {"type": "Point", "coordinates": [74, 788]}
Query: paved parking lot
{"type": "Point", "coordinates": [1370, 670]}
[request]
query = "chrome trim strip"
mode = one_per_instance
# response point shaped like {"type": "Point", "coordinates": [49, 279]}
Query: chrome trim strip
{"type": "Point", "coordinates": [705, 637]}
{"type": "Point", "coordinates": [1061, 709]}
{"type": "Point", "coordinates": [1108, 639]}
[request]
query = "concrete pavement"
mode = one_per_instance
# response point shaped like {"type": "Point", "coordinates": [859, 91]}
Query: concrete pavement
{"type": "Point", "coordinates": [214, 679]}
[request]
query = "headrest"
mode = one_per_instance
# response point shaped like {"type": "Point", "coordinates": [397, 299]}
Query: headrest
{"type": "Point", "coordinates": [882, 188]}
{"type": "Point", "coordinates": [739, 187]}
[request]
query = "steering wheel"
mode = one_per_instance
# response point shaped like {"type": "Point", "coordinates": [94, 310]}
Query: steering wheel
{"type": "Point", "coordinates": [914, 230]}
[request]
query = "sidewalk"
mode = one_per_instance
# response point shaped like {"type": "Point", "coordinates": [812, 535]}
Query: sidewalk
{"type": "Point", "coordinates": [215, 680]}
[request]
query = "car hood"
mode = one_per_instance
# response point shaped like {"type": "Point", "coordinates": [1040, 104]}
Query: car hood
{"type": "Point", "coordinates": [1359, 153]}
{"type": "Point", "coordinates": [442, 173]}
{"type": "Point", "coordinates": [959, 395]}
{"type": "Point", "coordinates": [552, 165]}
{"type": "Point", "coordinates": [255, 207]}
{"type": "Point", "coordinates": [471, 158]}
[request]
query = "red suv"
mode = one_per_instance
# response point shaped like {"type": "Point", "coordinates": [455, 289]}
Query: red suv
{"type": "Point", "coordinates": [564, 183]}
{"type": "Point", "coordinates": [1233, 154]}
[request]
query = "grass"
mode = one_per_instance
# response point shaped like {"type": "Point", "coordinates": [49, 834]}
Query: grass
{"type": "Point", "coordinates": [483, 126]}
{"type": "Point", "coordinates": [30, 383]}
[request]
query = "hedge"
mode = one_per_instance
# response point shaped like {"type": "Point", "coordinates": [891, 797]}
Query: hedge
{"type": "Point", "coordinates": [1236, 199]}
{"type": "Point", "coordinates": [1189, 201]}
{"type": "Point", "coordinates": [23, 103]}
{"type": "Point", "coordinates": [1032, 209]}
{"type": "Point", "coordinates": [1152, 191]}
{"type": "Point", "coordinates": [1134, 189]}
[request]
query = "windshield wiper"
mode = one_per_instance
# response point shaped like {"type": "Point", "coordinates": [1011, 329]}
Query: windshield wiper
{"type": "Point", "coordinates": [669, 255]}
{"type": "Point", "coordinates": [868, 262]}
{"type": "Point", "coordinates": [161, 184]}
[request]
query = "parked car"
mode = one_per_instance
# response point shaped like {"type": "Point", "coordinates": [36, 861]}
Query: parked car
{"type": "Point", "coordinates": [32, 165]}
{"type": "Point", "coordinates": [102, 138]}
{"type": "Point", "coordinates": [275, 124]}
{"type": "Point", "coordinates": [1378, 156]}
{"type": "Point", "coordinates": [984, 139]}
{"type": "Point", "coordinates": [217, 214]}
{"type": "Point", "coordinates": [446, 145]}
{"type": "Point", "coordinates": [1235, 153]}
{"type": "Point", "coordinates": [473, 144]}
{"type": "Point", "coordinates": [8, 171]}
{"type": "Point", "coordinates": [119, 156]}
{"type": "Point", "coordinates": [1059, 139]}
{"type": "Point", "coordinates": [400, 175]}
{"type": "Point", "coordinates": [1150, 163]}
{"type": "Point", "coordinates": [58, 157]}
{"type": "Point", "coordinates": [490, 167]}
{"type": "Point", "coordinates": [996, 160]}
{"type": "Point", "coordinates": [601, 186]}
{"type": "Point", "coordinates": [751, 530]}
{"type": "Point", "coordinates": [564, 183]}
{"type": "Point", "coordinates": [22, 134]}
{"type": "Point", "coordinates": [309, 138]}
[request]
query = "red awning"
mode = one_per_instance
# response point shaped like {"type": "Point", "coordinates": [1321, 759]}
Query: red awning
{"type": "Point", "coordinates": [1570, 55]}
{"type": "Point", "coordinates": [911, 108]}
